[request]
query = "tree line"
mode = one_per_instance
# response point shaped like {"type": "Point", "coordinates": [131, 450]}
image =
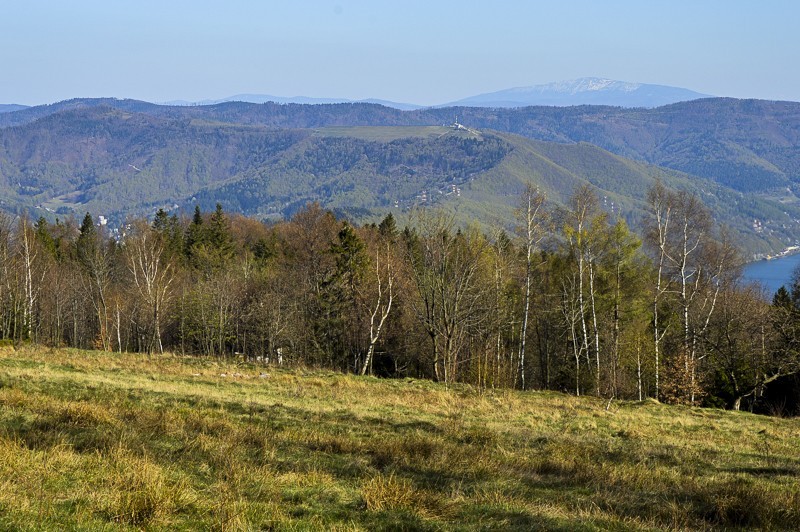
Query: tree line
{"type": "Point", "coordinates": [572, 300]}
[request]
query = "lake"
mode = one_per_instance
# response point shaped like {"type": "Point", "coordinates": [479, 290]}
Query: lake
{"type": "Point", "coordinates": [772, 273]}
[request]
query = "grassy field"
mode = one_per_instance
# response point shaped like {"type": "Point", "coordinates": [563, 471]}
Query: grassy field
{"type": "Point", "coordinates": [93, 440]}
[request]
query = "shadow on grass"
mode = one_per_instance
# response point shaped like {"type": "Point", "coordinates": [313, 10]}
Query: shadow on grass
{"type": "Point", "coordinates": [765, 471]}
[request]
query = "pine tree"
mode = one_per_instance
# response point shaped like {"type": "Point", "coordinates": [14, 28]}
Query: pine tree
{"type": "Point", "coordinates": [340, 292]}
{"type": "Point", "coordinates": [219, 235]}
{"type": "Point", "coordinates": [388, 227]}
{"type": "Point", "coordinates": [195, 235]}
{"type": "Point", "coordinates": [42, 231]}
{"type": "Point", "coordinates": [86, 245]}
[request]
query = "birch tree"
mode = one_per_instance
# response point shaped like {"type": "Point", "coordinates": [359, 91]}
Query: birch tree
{"type": "Point", "coordinates": [533, 231]}
{"type": "Point", "coordinates": [34, 265]}
{"type": "Point", "coordinates": [95, 254]}
{"type": "Point", "coordinates": [658, 228]}
{"type": "Point", "coordinates": [152, 274]}
{"type": "Point", "coordinates": [691, 270]}
{"type": "Point", "coordinates": [384, 282]}
{"type": "Point", "coordinates": [584, 233]}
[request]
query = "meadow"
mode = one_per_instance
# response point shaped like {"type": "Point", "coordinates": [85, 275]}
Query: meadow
{"type": "Point", "coordinates": [103, 441]}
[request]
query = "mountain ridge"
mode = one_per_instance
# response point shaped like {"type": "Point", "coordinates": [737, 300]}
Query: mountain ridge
{"type": "Point", "coordinates": [304, 100]}
{"type": "Point", "coordinates": [749, 145]}
{"type": "Point", "coordinates": [580, 91]}
{"type": "Point", "coordinates": [583, 91]}
{"type": "Point", "coordinates": [117, 162]}
{"type": "Point", "coordinates": [11, 107]}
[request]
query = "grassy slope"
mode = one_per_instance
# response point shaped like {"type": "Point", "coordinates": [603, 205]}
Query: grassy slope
{"type": "Point", "coordinates": [91, 440]}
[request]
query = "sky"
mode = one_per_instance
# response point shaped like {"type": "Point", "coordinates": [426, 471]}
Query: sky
{"type": "Point", "coordinates": [424, 52]}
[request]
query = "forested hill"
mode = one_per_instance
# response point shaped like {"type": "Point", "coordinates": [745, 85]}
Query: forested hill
{"type": "Point", "coordinates": [748, 145]}
{"type": "Point", "coordinates": [118, 163]}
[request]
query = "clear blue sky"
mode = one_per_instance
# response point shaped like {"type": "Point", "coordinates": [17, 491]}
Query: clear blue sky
{"type": "Point", "coordinates": [425, 52]}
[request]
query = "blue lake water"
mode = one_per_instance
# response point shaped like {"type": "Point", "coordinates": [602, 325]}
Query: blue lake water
{"type": "Point", "coordinates": [772, 273]}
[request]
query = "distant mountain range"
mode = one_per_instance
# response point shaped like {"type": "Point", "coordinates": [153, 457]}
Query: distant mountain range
{"type": "Point", "coordinates": [584, 91]}
{"type": "Point", "coordinates": [305, 100]}
{"type": "Point", "coordinates": [752, 146]}
{"type": "Point", "coordinates": [123, 157]}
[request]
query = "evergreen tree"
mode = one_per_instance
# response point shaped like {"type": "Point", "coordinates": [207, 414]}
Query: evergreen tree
{"type": "Point", "coordinates": [42, 231]}
{"type": "Point", "coordinates": [195, 234]}
{"type": "Point", "coordinates": [782, 299]}
{"type": "Point", "coordinates": [388, 227]}
{"type": "Point", "coordinates": [161, 221]}
{"type": "Point", "coordinates": [86, 245]}
{"type": "Point", "coordinates": [340, 294]}
{"type": "Point", "coordinates": [219, 235]}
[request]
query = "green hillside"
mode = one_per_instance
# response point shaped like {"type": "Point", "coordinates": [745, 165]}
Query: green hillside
{"type": "Point", "coordinates": [94, 440]}
{"type": "Point", "coordinates": [557, 169]}
{"type": "Point", "coordinates": [362, 173]}
{"type": "Point", "coordinates": [120, 163]}
{"type": "Point", "coordinates": [748, 145]}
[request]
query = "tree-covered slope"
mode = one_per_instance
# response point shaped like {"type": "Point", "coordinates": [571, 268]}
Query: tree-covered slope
{"type": "Point", "coordinates": [623, 184]}
{"type": "Point", "coordinates": [106, 160]}
{"type": "Point", "coordinates": [371, 171]}
{"type": "Point", "coordinates": [10, 107]}
{"type": "Point", "coordinates": [117, 162]}
{"type": "Point", "coordinates": [749, 145]}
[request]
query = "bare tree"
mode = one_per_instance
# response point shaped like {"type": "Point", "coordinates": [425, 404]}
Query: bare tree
{"type": "Point", "coordinates": [584, 227]}
{"type": "Point", "coordinates": [533, 230]}
{"type": "Point", "coordinates": [382, 306]}
{"type": "Point", "coordinates": [747, 341]}
{"type": "Point", "coordinates": [152, 273]}
{"type": "Point", "coordinates": [445, 269]}
{"type": "Point", "coordinates": [96, 255]}
{"type": "Point", "coordinates": [659, 226]}
{"type": "Point", "coordinates": [692, 268]}
{"type": "Point", "coordinates": [573, 316]}
{"type": "Point", "coordinates": [6, 274]}
{"type": "Point", "coordinates": [34, 271]}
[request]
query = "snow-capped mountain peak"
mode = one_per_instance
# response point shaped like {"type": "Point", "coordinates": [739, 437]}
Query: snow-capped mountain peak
{"type": "Point", "coordinates": [582, 91]}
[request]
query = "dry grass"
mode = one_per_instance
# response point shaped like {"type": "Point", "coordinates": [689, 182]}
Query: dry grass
{"type": "Point", "coordinates": [389, 493]}
{"type": "Point", "coordinates": [94, 440]}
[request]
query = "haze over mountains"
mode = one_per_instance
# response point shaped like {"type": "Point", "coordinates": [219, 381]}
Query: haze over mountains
{"type": "Point", "coordinates": [582, 91]}
{"type": "Point", "coordinates": [264, 98]}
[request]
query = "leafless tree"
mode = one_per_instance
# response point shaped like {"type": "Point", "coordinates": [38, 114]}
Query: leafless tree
{"type": "Point", "coordinates": [152, 273]}
{"type": "Point", "coordinates": [383, 304]}
{"type": "Point", "coordinates": [445, 267]}
{"type": "Point", "coordinates": [533, 230]}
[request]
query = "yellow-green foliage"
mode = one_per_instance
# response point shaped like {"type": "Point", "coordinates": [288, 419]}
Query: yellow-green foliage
{"type": "Point", "coordinates": [94, 440]}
